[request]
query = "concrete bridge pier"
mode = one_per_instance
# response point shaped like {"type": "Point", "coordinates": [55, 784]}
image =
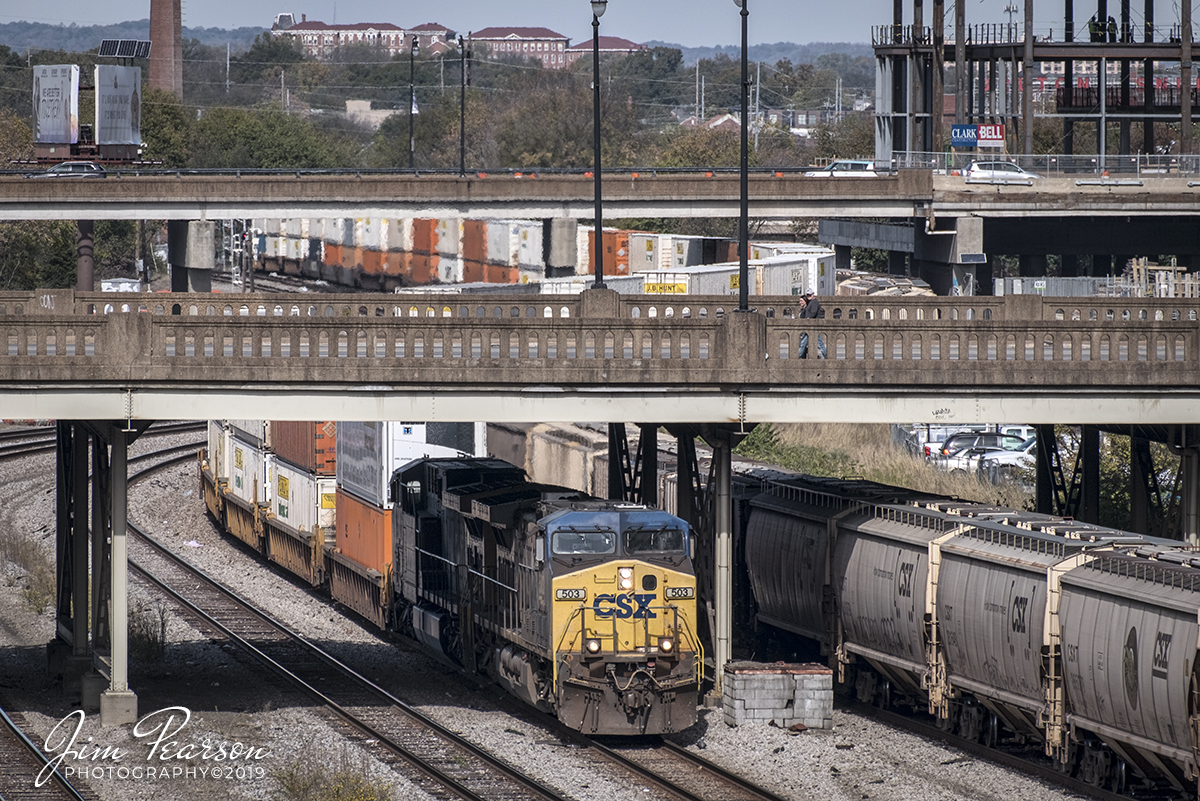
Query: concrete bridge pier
{"type": "Point", "coordinates": [191, 253]}
{"type": "Point", "coordinates": [1187, 446]}
{"type": "Point", "coordinates": [90, 650]}
{"type": "Point", "coordinates": [85, 248]}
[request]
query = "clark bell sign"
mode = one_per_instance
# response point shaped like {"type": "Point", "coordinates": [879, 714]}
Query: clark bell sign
{"type": "Point", "coordinates": [972, 136]}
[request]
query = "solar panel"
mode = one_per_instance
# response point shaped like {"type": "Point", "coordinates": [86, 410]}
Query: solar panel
{"type": "Point", "coordinates": [125, 48]}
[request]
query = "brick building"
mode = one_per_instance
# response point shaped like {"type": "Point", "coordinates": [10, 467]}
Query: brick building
{"type": "Point", "coordinates": [527, 43]}
{"type": "Point", "coordinates": [319, 40]}
{"type": "Point", "coordinates": [608, 46]}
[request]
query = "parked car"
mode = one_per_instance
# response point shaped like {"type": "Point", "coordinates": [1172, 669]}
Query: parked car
{"type": "Point", "coordinates": [1024, 456]}
{"type": "Point", "coordinates": [848, 168]}
{"type": "Point", "coordinates": [998, 171]}
{"type": "Point", "coordinates": [965, 460]}
{"type": "Point", "coordinates": [977, 439]}
{"type": "Point", "coordinates": [71, 169]}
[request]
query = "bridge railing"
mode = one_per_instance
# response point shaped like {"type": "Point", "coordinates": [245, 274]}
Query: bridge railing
{"type": "Point", "coordinates": [1140, 165]}
{"type": "Point", "coordinates": [600, 339]}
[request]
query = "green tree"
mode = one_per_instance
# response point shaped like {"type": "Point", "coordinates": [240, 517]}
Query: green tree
{"type": "Point", "coordinates": [266, 138]}
{"type": "Point", "coordinates": [265, 57]}
{"type": "Point", "coordinates": [851, 137]}
{"type": "Point", "coordinates": [166, 126]}
{"type": "Point", "coordinates": [36, 254]}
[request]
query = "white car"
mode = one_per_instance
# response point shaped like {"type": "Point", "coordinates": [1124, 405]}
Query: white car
{"type": "Point", "coordinates": [1024, 457]}
{"type": "Point", "coordinates": [847, 168]}
{"type": "Point", "coordinates": [998, 171]}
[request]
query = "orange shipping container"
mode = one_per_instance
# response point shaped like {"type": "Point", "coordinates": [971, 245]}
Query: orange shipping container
{"type": "Point", "coordinates": [310, 446]}
{"type": "Point", "coordinates": [473, 271]}
{"type": "Point", "coordinates": [364, 531]}
{"type": "Point", "coordinates": [333, 254]}
{"type": "Point", "coordinates": [474, 240]}
{"type": "Point", "coordinates": [616, 252]}
{"type": "Point", "coordinates": [424, 233]}
{"type": "Point", "coordinates": [372, 261]}
{"type": "Point", "coordinates": [424, 269]}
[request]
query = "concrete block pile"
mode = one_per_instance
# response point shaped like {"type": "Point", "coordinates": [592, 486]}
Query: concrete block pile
{"type": "Point", "coordinates": [796, 696]}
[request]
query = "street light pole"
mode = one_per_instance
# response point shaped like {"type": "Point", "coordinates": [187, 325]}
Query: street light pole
{"type": "Point", "coordinates": [462, 109]}
{"type": "Point", "coordinates": [744, 219]}
{"type": "Point", "coordinates": [412, 105]}
{"type": "Point", "coordinates": [598, 8]}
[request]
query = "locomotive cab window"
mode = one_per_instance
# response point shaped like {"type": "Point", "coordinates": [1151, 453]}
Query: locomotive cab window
{"type": "Point", "coordinates": [661, 540]}
{"type": "Point", "coordinates": [569, 541]}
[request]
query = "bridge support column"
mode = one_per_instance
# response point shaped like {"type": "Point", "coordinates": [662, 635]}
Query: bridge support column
{"type": "Point", "coordinates": [85, 262]}
{"type": "Point", "coordinates": [1032, 266]}
{"type": "Point", "coordinates": [1044, 490]}
{"type": "Point", "coordinates": [648, 460]}
{"type": "Point", "coordinates": [177, 235]}
{"type": "Point", "coordinates": [1139, 492]}
{"type": "Point", "coordinates": [559, 246]}
{"type": "Point", "coordinates": [67, 653]}
{"type": "Point", "coordinates": [118, 704]}
{"type": "Point", "coordinates": [201, 255]}
{"type": "Point", "coordinates": [841, 257]}
{"type": "Point", "coordinates": [722, 557]}
{"type": "Point", "coordinates": [1189, 502]}
{"type": "Point", "coordinates": [1089, 453]}
{"type": "Point", "coordinates": [897, 262]}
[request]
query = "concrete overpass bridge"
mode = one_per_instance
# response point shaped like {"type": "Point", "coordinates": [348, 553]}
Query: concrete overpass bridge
{"type": "Point", "coordinates": [112, 363]}
{"type": "Point", "coordinates": [773, 195]}
{"type": "Point", "coordinates": [600, 356]}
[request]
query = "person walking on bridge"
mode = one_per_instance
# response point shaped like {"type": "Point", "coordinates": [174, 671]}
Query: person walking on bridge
{"type": "Point", "coordinates": [1093, 29]}
{"type": "Point", "coordinates": [1112, 29]}
{"type": "Point", "coordinates": [811, 311]}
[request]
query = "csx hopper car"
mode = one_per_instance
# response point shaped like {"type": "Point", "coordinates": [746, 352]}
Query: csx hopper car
{"type": "Point", "coordinates": [583, 608]}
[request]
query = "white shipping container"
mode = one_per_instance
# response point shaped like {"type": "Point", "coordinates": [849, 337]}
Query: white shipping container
{"type": "Point", "coordinates": [529, 244]}
{"type": "Point", "coordinates": [644, 252]}
{"type": "Point", "coordinates": [300, 499]}
{"type": "Point", "coordinates": [502, 243]}
{"type": "Point", "coordinates": [218, 456]}
{"type": "Point", "coordinates": [583, 252]}
{"type": "Point", "coordinates": [248, 479]}
{"type": "Point", "coordinates": [257, 432]}
{"type": "Point", "coordinates": [449, 234]}
{"type": "Point", "coordinates": [368, 453]}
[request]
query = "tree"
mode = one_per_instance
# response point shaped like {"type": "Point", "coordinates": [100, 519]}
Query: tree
{"type": "Point", "coordinates": [851, 137]}
{"type": "Point", "coordinates": [166, 126]}
{"type": "Point", "coordinates": [35, 254]}
{"type": "Point", "coordinates": [268, 138]}
{"type": "Point", "coordinates": [265, 57]}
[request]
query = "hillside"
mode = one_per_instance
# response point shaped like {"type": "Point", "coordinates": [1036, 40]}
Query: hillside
{"type": "Point", "coordinates": [771, 53]}
{"type": "Point", "coordinates": [22, 36]}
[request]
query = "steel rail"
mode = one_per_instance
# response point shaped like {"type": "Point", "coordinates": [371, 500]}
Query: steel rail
{"type": "Point", "coordinates": [418, 717]}
{"type": "Point", "coordinates": [42, 761]}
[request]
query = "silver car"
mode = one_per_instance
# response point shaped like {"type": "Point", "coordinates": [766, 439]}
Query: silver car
{"type": "Point", "coordinates": [998, 171]}
{"type": "Point", "coordinates": [845, 168]}
{"type": "Point", "coordinates": [71, 169]}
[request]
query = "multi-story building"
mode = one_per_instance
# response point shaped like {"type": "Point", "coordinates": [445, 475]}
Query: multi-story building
{"type": "Point", "coordinates": [608, 46]}
{"type": "Point", "coordinates": [319, 39]}
{"type": "Point", "coordinates": [526, 43]}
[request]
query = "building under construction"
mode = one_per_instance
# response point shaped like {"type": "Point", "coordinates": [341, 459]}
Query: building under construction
{"type": "Point", "coordinates": [1100, 68]}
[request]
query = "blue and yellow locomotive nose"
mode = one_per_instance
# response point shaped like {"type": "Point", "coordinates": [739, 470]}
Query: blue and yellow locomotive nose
{"type": "Point", "coordinates": [628, 657]}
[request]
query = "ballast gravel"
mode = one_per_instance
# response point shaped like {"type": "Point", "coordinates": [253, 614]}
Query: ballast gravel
{"type": "Point", "coordinates": [230, 701]}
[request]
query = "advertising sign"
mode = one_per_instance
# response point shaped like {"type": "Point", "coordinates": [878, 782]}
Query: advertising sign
{"type": "Point", "coordinates": [962, 135]}
{"type": "Point", "coordinates": [991, 136]}
{"type": "Point", "coordinates": [118, 105]}
{"type": "Point", "coordinates": [56, 104]}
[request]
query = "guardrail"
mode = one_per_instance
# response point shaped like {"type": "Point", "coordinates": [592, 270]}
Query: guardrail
{"type": "Point", "coordinates": [600, 339]}
{"type": "Point", "coordinates": [1054, 163]}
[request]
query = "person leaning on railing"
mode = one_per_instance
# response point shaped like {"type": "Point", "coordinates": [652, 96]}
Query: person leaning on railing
{"type": "Point", "coordinates": [811, 310]}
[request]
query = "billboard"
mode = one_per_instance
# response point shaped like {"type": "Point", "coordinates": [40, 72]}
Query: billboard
{"type": "Point", "coordinates": [962, 135]}
{"type": "Point", "coordinates": [991, 136]}
{"type": "Point", "coordinates": [118, 105]}
{"type": "Point", "coordinates": [56, 104]}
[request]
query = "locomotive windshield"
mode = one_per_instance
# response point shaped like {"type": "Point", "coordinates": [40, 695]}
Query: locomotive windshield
{"type": "Point", "coordinates": [654, 540]}
{"type": "Point", "coordinates": [568, 541]}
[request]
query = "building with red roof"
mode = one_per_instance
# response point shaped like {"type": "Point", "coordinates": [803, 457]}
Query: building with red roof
{"type": "Point", "coordinates": [525, 43]}
{"type": "Point", "coordinates": [609, 46]}
{"type": "Point", "coordinates": [319, 39]}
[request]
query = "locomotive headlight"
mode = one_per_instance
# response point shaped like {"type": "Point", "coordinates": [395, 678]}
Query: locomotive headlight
{"type": "Point", "coordinates": [592, 646]}
{"type": "Point", "coordinates": [626, 576]}
{"type": "Point", "coordinates": [666, 645]}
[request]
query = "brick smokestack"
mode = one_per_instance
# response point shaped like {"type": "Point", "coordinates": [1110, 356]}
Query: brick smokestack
{"type": "Point", "coordinates": [166, 51]}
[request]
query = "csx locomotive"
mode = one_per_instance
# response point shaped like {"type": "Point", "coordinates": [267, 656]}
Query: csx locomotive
{"type": "Point", "coordinates": [583, 608]}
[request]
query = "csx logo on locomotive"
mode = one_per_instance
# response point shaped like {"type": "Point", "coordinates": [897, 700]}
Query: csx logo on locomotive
{"type": "Point", "coordinates": [629, 605]}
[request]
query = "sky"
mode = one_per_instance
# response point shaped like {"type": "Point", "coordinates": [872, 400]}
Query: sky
{"type": "Point", "coordinates": [692, 23]}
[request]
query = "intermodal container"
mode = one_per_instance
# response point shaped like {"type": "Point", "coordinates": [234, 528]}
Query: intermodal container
{"type": "Point", "coordinates": [256, 432]}
{"type": "Point", "coordinates": [645, 251]}
{"type": "Point", "coordinates": [424, 236]}
{"type": "Point", "coordinates": [218, 456]}
{"type": "Point", "coordinates": [530, 236]}
{"type": "Point", "coordinates": [368, 453]}
{"type": "Point", "coordinates": [248, 478]}
{"type": "Point", "coordinates": [616, 251]}
{"type": "Point", "coordinates": [310, 446]}
{"type": "Point", "coordinates": [474, 241]}
{"type": "Point", "coordinates": [502, 244]}
{"type": "Point", "coordinates": [449, 236]}
{"type": "Point", "coordinates": [364, 531]}
{"type": "Point", "coordinates": [302, 500]}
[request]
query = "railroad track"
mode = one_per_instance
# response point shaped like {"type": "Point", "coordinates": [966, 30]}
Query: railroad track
{"type": "Point", "coordinates": [42, 440]}
{"type": "Point", "coordinates": [23, 763]}
{"type": "Point", "coordinates": [683, 774]}
{"type": "Point", "coordinates": [446, 765]}
{"type": "Point", "coordinates": [1031, 763]}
